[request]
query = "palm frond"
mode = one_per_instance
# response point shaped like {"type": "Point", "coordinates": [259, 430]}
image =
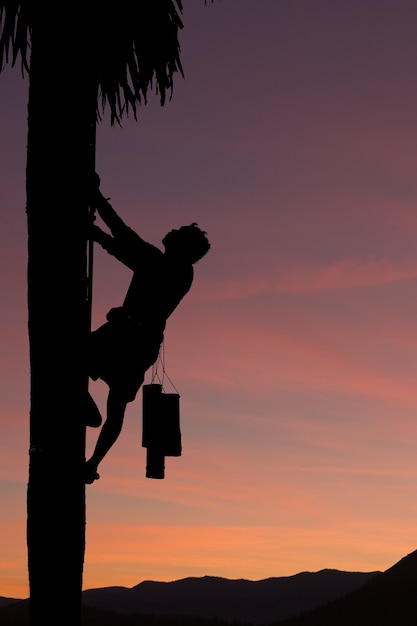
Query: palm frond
{"type": "Point", "coordinates": [137, 51]}
{"type": "Point", "coordinates": [134, 44]}
{"type": "Point", "coordinates": [14, 33]}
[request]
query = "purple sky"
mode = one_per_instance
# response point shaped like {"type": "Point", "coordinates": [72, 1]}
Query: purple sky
{"type": "Point", "coordinates": [292, 141]}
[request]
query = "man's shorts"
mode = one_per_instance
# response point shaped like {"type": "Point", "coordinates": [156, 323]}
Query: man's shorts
{"type": "Point", "coordinates": [121, 353]}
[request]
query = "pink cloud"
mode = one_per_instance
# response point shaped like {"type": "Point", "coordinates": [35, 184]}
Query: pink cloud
{"type": "Point", "coordinates": [347, 274]}
{"type": "Point", "coordinates": [324, 354]}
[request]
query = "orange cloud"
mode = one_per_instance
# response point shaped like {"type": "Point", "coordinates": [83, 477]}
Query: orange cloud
{"type": "Point", "coordinates": [126, 555]}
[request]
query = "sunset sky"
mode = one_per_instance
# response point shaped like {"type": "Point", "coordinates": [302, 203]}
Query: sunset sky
{"type": "Point", "coordinates": [292, 140]}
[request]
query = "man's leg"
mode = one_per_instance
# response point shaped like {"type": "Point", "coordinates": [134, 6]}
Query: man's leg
{"type": "Point", "coordinates": [92, 414]}
{"type": "Point", "coordinates": [111, 429]}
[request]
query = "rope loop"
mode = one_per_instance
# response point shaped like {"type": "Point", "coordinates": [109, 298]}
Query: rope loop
{"type": "Point", "coordinates": [158, 369]}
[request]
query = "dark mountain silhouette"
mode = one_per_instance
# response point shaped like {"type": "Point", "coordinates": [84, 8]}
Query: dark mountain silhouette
{"type": "Point", "coordinates": [381, 599]}
{"type": "Point", "coordinates": [244, 601]}
{"type": "Point", "coordinates": [389, 599]}
{"type": "Point", "coordinates": [4, 601]}
{"type": "Point", "coordinates": [17, 614]}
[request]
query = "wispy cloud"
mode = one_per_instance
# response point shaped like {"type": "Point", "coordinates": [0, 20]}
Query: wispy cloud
{"type": "Point", "coordinates": [346, 274]}
{"type": "Point", "coordinates": [258, 552]}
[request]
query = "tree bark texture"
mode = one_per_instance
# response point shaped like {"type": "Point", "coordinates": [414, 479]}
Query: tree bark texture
{"type": "Point", "coordinates": [60, 163]}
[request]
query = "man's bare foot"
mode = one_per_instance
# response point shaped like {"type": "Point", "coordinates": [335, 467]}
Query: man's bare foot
{"type": "Point", "coordinates": [90, 473]}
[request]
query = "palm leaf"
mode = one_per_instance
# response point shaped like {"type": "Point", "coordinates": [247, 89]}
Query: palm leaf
{"type": "Point", "coordinates": [14, 33]}
{"type": "Point", "coordinates": [134, 45]}
{"type": "Point", "coordinates": [137, 51]}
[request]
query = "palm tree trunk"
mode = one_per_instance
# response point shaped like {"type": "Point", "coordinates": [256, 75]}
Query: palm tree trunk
{"type": "Point", "coordinates": [60, 162]}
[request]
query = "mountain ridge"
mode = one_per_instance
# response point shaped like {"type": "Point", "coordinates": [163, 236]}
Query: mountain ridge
{"type": "Point", "coordinates": [239, 600]}
{"type": "Point", "coordinates": [386, 600]}
{"type": "Point", "coordinates": [376, 599]}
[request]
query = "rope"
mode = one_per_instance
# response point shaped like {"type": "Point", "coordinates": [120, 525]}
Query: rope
{"type": "Point", "coordinates": [90, 242]}
{"type": "Point", "coordinates": [160, 363]}
{"type": "Point", "coordinates": [91, 211]}
{"type": "Point", "coordinates": [90, 259]}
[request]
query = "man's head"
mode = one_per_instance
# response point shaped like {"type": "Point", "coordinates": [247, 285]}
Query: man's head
{"type": "Point", "coordinates": [189, 243]}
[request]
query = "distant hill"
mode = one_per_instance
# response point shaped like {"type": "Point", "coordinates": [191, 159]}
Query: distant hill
{"type": "Point", "coordinates": [244, 601]}
{"type": "Point", "coordinates": [17, 614]}
{"type": "Point", "coordinates": [204, 600]}
{"type": "Point", "coordinates": [389, 599]}
{"type": "Point", "coordinates": [324, 598]}
{"type": "Point", "coordinates": [5, 601]}
{"type": "Point", "coordinates": [338, 599]}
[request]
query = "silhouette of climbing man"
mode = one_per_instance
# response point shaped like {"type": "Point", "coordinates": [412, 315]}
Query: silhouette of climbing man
{"type": "Point", "coordinates": [128, 343]}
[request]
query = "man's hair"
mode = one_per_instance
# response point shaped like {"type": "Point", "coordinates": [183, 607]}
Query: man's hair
{"type": "Point", "coordinates": [196, 243]}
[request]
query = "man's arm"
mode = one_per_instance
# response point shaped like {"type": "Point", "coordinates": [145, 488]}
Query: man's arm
{"type": "Point", "coordinates": [105, 240]}
{"type": "Point", "coordinates": [108, 214]}
{"type": "Point", "coordinates": [128, 247]}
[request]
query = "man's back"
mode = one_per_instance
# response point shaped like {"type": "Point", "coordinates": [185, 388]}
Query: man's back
{"type": "Point", "coordinates": [156, 290]}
